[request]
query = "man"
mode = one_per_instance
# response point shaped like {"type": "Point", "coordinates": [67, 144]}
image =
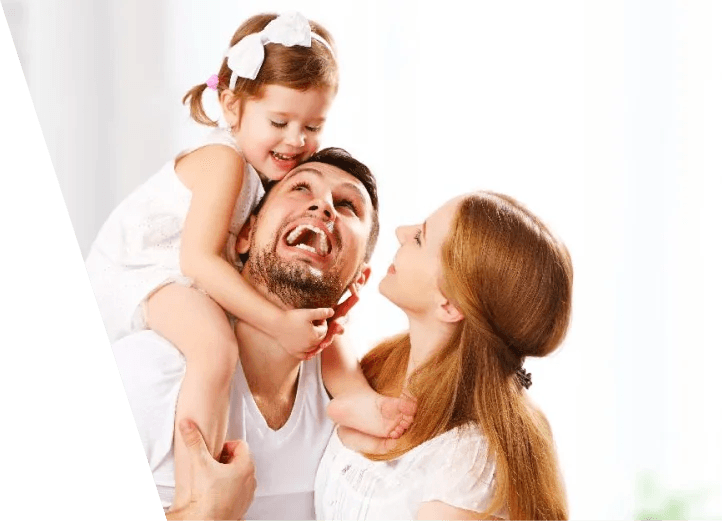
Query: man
{"type": "Point", "coordinates": [277, 402]}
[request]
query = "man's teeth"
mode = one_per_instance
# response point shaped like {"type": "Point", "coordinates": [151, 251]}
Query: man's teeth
{"type": "Point", "coordinates": [283, 157]}
{"type": "Point", "coordinates": [296, 233]}
{"type": "Point", "coordinates": [306, 247]}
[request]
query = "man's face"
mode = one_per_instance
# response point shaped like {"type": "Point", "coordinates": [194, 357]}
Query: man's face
{"type": "Point", "coordinates": [309, 239]}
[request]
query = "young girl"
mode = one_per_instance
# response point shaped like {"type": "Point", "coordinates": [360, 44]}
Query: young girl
{"type": "Point", "coordinates": [164, 258]}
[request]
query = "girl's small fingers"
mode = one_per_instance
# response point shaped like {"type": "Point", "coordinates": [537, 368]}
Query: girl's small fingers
{"type": "Point", "coordinates": [338, 329]}
{"type": "Point", "coordinates": [320, 313]}
{"type": "Point", "coordinates": [320, 331]}
{"type": "Point", "coordinates": [344, 307]}
{"type": "Point", "coordinates": [313, 352]}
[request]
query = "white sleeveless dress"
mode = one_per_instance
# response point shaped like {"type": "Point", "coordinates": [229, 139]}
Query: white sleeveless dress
{"type": "Point", "coordinates": [137, 250]}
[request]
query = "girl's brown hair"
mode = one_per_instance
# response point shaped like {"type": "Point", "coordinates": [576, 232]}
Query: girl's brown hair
{"type": "Point", "coordinates": [512, 280]}
{"type": "Point", "coordinates": [296, 67]}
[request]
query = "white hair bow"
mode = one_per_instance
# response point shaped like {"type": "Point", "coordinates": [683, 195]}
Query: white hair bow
{"type": "Point", "coordinates": [246, 57]}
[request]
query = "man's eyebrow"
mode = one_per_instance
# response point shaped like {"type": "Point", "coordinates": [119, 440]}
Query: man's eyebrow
{"type": "Point", "coordinates": [346, 184]}
{"type": "Point", "coordinates": [356, 190]}
{"type": "Point", "coordinates": [302, 170]}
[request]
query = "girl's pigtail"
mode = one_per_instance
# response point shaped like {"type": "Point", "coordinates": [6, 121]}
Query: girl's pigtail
{"type": "Point", "coordinates": [194, 98]}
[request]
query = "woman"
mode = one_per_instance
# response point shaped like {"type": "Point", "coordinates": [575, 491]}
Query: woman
{"type": "Point", "coordinates": [484, 285]}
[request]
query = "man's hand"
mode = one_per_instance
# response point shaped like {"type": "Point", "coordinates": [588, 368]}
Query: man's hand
{"type": "Point", "coordinates": [219, 489]}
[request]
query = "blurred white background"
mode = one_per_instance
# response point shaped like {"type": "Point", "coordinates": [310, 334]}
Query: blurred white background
{"type": "Point", "coordinates": [603, 117]}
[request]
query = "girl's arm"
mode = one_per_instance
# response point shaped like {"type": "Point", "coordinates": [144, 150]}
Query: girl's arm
{"type": "Point", "coordinates": [340, 369]}
{"type": "Point", "coordinates": [214, 175]}
{"type": "Point", "coordinates": [355, 404]}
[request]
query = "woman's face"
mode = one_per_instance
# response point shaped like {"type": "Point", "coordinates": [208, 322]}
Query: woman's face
{"type": "Point", "coordinates": [412, 281]}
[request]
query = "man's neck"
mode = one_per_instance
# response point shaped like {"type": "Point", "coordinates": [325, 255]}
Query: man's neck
{"type": "Point", "coordinates": [271, 373]}
{"type": "Point", "coordinates": [265, 363]}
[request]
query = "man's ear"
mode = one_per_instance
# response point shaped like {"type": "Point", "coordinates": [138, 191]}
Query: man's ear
{"type": "Point", "coordinates": [448, 312]}
{"type": "Point", "coordinates": [363, 277]}
{"type": "Point", "coordinates": [231, 107]}
{"type": "Point", "coordinates": [243, 242]}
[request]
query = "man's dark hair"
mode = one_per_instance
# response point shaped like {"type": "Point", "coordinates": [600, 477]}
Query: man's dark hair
{"type": "Point", "coordinates": [342, 160]}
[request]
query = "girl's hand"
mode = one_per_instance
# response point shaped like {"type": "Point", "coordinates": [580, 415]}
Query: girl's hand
{"type": "Point", "coordinates": [335, 324]}
{"type": "Point", "coordinates": [301, 330]}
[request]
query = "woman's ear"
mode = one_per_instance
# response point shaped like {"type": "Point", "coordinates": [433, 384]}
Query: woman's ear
{"type": "Point", "coordinates": [448, 312]}
{"type": "Point", "coordinates": [231, 107]}
{"type": "Point", "coordinates": [243, 242]}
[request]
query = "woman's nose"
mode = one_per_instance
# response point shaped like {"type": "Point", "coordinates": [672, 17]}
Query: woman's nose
{"type": "Point", "coordinates": [402, 233]}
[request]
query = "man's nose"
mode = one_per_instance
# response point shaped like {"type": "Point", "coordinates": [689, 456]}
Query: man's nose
{"type": "Point", "coordinates": [324, 209]}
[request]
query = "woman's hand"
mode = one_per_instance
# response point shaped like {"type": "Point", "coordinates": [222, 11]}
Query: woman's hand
{"type": "Point", "coordinates": [219, 489]}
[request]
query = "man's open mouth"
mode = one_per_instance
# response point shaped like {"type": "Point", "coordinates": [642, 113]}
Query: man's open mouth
{"type": "Point", "coordinates": [309, 238]}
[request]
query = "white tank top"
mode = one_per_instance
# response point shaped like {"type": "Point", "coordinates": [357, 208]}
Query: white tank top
{"type": "Point", "coordinates": [286, 460]}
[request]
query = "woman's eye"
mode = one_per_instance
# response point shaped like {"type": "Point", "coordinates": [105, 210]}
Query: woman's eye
{"type": "Point", "coordinates": [417, 237]}
{"type": "Point", "coordinates": [278, 124]}
{"type": "Point", "coordinates": [313, 129]}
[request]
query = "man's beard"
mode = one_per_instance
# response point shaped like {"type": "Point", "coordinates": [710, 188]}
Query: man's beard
{"type": "Point", "coordinates": [296, 284]}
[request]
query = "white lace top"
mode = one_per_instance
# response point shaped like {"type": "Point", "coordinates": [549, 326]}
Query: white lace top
{"type": "Point", "coordinates": [454, 468]}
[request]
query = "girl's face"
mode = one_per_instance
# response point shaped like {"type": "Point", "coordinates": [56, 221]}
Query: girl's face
{"type": "Point", "coordinates": [412, 281]}
{"type": "Point", "coordinates": [282, 128]}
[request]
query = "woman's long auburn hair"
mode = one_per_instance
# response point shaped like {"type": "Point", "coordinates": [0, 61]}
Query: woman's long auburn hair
{"type": "Point", "coordinates": [512, 280]}
{"type": "Point", "coordinates": [297, 67]}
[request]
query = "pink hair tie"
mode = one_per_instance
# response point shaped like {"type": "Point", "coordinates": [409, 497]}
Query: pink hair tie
{"type": "Point", "coordinates": [212, 82]}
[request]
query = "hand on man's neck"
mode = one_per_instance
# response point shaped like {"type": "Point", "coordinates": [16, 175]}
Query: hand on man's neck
{"type": "Point", "coordinates": [271, 373]}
